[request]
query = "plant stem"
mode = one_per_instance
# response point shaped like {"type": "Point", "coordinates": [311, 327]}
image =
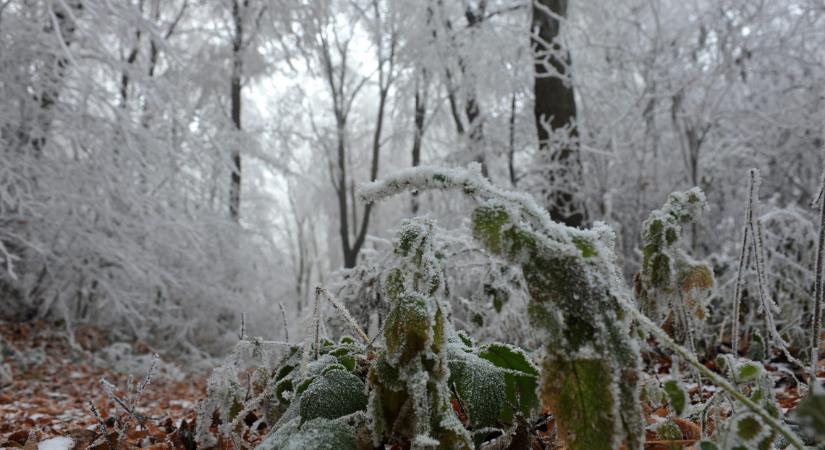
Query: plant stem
{"type": "Point", "coordinates": [715, 378]}
{"type": "Point", "coordinates": [816, 326]}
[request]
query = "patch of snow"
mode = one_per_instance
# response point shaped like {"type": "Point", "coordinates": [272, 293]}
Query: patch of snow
{"type": "Point", "coordinates": [58, 443]}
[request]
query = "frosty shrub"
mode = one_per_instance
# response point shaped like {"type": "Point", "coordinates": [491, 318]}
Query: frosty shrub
{"type": "Point", "coordinates": [669, 278]}
{"type": "Point", "coordinates": [421, 384]}
{"type": "Point", "coordinates": [745, 429]}
{"type": "Point", "coordinates": [590, 365]}
{"type": "Point", "coordinates": [410, 398]}
{"type": "Point", "coordinates": [400, 390]}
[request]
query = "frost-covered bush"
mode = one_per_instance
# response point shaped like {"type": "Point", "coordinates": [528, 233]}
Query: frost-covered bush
{"type": "Point", "coordinates": [113, 204]}
{"type": "Point", "coordinates": [410, 399]}
{"type": "Point", "coordinates": [743, 429]}
{"type": "Point", "coordinates": [589, 367]}
{"type": "Point", "coordinates": [410, 388]}
{"type": "Point", "coordinates": [421, 384]}
{"type": "Point", "coordinates": [669, 279]}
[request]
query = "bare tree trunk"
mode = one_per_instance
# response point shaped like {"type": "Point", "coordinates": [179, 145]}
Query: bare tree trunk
{"type": "Point", "coordinates": [420, 108]}
{"type": "Point", "coordinates": [555, 111]}
{"type": "Point", "coordinates": [353, 238]}
{"type": "Point", "coordinates": [511, 150]}
{"type": "Point", "coordinates": [235, 93]}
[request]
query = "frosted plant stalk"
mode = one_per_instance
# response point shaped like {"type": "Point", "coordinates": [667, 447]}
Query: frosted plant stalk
{"type": "Point", "coordinates": [715, 378]}
{"type": "Point", "coordinates": [350, 320]}
{"type": "Point", "coordinates": [769, 307]}
{"type": "Point", "coordinates": [816, 326]}
{"type": "Point", "coordinates": [737, 293]}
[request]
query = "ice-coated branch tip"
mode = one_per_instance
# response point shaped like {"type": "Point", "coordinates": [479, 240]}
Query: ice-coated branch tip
{"type": "Point", "coordinates": [470, 181]}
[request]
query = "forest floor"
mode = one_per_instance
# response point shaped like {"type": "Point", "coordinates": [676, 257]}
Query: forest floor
{"type": "Point", "coordinates": [48, 387]}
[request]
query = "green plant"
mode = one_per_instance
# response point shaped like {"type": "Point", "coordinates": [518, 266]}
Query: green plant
{"type": "Point", "coordinates": [669, 279]}
{"type": "Point", "coordinates": [410, 398]}
{"type": "Point", "coordinates": [589, 367]}
{"type": "Point", "coordinates": [581, 308]}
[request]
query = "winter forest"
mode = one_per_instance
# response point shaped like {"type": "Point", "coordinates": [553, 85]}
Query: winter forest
{"type": "Point", "coordinates": [412, 224]}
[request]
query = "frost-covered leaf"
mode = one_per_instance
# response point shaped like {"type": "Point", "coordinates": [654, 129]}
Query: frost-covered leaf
{"type": "Point", "coordinates": [410, 395]}
{"type": "Point", "coordinates": [677, 396]}
{"type": "Point", "coordinates": [811, 413]}
{"type": "Point", "coordinates": [706, 445]}
{"type": "Point", "coordinates": [669, 431]}
{"type": "Point", "coordinates": [668, 274]}
{"type": "Point", "coordinates": [520, 377]}
{"type": "Point", "coordinates": [480, 386]}
{"type": "Point", "coordinates": [317, 434]}
{"type": "Point", "coordinates": [749, 428]}
{"type": "Point", "coordinates": [748, 372]}
{"type": "Point", "coordinates": [333, 394]}
{"type": "Point", "coordinates": [586, 341]}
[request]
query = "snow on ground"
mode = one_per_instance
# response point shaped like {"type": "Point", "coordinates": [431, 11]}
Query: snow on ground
{"type": "Point", "coordinates": [58, 443]}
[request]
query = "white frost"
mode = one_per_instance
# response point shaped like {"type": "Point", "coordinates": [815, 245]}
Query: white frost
{"type": "Point", "coordinates": [58, 443]}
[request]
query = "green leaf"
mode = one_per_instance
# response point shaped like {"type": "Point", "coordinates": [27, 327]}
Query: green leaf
{"type": "Point", "coordinates": [676, 395]}
{"type": "Point", "coordinates": [748, 372]}
{"type": "Point", "coordinates": [318, 434]}
{"type": "Point", "coordinates": [508, 357]}
{"type": "Point", "coordinates": [520, 378]}
{"type": "Point", "coordinates": [284, 386]}
{"type": "Point", "coordinates": [334, 394]}
{"type": "Point", "coordinates": [669, 431]}
{"type": "Point", "coordinates": [706, 445]}
{"type": "Point", "coordinates": [480, 386]}
{"type": "Point", "coordinates": [811, 413]}
{"type": "Point", "coordinates": [748, 427]}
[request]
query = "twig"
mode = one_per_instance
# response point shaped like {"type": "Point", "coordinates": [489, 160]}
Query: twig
{"type": "Point", "coordinates": [350, 320]}
{"type": "Point", "coordinates": [101, 425]}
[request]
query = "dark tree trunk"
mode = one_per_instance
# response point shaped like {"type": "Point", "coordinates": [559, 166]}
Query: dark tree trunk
{"type": "Point", "coordinates": [235, 93]}
{"type": "Point", "coordinates": [555, 111]}
{"type": "Point", "coordinates": [420, 111]}
{"type": "Point", "coordinates": [511, 150]}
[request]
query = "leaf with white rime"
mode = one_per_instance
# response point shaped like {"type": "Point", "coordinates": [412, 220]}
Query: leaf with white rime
{"type": "Point", "coordinates": [333, 394]}
{"type": "Point", "coordinates": [677, 396]}
{"type": "Point", "coordinates": [520, 376]}
{"type": "Point", "coordinates": [479, 385]}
